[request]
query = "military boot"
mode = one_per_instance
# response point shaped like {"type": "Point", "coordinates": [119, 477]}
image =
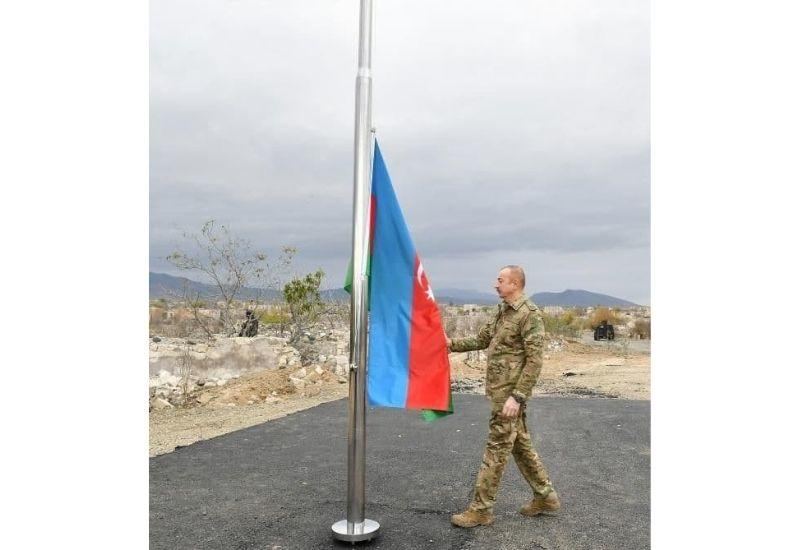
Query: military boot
{"type": "Point", "coordinates": [550, 503]}
{"type": "Point", "coordinates": [472, 518]}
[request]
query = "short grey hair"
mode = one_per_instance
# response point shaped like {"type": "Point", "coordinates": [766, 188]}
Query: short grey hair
{"type": "Point", "coordinates": [517, 272]}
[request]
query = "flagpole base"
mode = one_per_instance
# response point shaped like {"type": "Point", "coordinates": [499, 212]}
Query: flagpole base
{"type": "Point", "coordinates": [355, 532]}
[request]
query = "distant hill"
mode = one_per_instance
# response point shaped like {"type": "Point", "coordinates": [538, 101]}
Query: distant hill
{"type": "Point", "coordinates": [165, 286]}
{"type": "Point", "coordinates": [579, 298]}
{"type": "Point", "coordinates": [567, 298]}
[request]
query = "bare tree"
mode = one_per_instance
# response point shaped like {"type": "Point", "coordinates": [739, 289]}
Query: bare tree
{"type": "Point", "coordinates": [185, 368]}
{"type": "Point", "coordinates": [335, 314]}
{"type": "Point", "coordinates": [230, 265]}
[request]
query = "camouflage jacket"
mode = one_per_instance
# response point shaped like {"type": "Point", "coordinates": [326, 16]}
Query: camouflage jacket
{"type": "Point", "coordinates": [515, 342]}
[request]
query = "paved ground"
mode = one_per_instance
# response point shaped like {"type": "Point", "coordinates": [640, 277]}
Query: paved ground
{"type": "Point", "coordinates": [283, 483]}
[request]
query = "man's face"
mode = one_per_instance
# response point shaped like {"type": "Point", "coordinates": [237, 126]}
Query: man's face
{"type": "Point", "coordinates": [506, 285]}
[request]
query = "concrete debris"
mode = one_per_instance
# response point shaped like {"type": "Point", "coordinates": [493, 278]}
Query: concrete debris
{"type": "Point", "coordinates": [158, 404]}
{"type": "Point", "coordinates": [556, 345]}
{"type": "Point", "coordinates": [204, 398]}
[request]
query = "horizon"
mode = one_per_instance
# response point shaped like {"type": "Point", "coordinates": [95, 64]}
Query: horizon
{"type": "Point", "coordinates": [444, 288]}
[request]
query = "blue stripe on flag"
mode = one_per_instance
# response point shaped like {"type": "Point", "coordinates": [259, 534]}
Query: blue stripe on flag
{"type": "Point", "coordinates": [390, 295]}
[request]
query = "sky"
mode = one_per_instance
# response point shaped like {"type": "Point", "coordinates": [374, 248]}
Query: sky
{"type": "Point", "coordinates": [515, 132]}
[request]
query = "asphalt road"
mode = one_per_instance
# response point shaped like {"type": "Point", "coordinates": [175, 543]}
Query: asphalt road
{"type": "Point", "coordinates": [282, 484]}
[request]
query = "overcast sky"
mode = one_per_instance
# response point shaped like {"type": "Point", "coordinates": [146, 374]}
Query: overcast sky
{"type": "Point", "coordinates": [514, 132]}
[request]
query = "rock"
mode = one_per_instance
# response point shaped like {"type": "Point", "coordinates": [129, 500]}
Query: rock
{"type": "Point", "coordinates": [312, 391]}
{"type": "Point", "coordinates": [201, 382]}
{"type": "Point", "coordinates": [569, 373]}
{"type": "Point", "coordinates": [159, 404]}
{"type": "Point", "coordinates": [204, 398]}
{"type": "Point", "coordinates": [297, 383]}
{"type": "Point", "coordinates": [156, 339]}
{"type": "Point", "coordinates": [319, 370]}
{"type": "Point", "coordinates": [302, 373]}
{"type": "Point", "coordinates": [165, 378]}
{"type": "Point", "coordinates": [342, 380]}
{"type": "Point", "coordinates": [271, 400]}
{"type": "Point", "coordinates": [312, 377]}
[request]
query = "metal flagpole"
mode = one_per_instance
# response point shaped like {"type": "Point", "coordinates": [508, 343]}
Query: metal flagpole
{"type": "Point", "coordinates": [356, 527]}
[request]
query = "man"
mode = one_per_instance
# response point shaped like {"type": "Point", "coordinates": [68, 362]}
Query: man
{"type": "Point", "coordinates": [515, 340]}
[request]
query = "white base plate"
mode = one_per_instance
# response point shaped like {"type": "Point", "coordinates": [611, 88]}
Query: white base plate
{"type": "Point", "coordinates": [358, 531]}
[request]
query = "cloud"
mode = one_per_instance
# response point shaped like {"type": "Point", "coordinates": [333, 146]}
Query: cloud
{"type": "Point", "coordinates": [512, 130]}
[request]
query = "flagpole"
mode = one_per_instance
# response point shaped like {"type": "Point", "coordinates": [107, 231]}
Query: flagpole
{"type": "Point", "coordinates": [356, 527]}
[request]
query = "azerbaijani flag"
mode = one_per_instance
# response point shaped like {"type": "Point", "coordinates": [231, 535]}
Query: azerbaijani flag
{"type": "Point", "coordinates": [408, 366]}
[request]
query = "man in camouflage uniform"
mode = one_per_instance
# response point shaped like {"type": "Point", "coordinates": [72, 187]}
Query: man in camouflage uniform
{"type": "Point", "coordinates": [515, 341]}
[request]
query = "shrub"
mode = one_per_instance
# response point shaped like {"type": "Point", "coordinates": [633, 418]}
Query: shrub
{"type": "Point", "coordinates": [274, 318]}
{"type": "Point", "coordinates": [562, 325]}
{"type": "Point", "coordinates": [603, 314]}
{"type": "Point", "coordinates": [641, 329]}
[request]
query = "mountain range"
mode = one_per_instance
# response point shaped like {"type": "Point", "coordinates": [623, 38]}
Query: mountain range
{"type": "Point", "coordinates": [165, 286]}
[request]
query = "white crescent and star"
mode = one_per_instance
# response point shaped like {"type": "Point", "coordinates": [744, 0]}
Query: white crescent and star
{"type": "Point", "coordinates": [429, 291]}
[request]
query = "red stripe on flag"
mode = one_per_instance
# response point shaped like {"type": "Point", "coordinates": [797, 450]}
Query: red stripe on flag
{"type": "Point", "coordinates": [428, 364]}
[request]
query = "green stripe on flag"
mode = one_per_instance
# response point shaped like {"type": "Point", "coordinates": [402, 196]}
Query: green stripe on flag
{"type": "Point", "coordinates": [430, 416]}
{"type": "Point", "coordinates": [348, 279]}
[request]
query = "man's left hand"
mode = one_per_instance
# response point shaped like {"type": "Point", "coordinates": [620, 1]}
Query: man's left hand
{"type": "Point", "coordinates": [510, 408]}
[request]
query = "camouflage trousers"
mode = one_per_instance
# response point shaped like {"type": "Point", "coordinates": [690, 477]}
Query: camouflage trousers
{"type": "Point", "coordinates": [508, 436]}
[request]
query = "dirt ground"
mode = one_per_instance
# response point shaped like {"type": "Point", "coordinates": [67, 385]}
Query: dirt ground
{"type": "Point", "coordinates": [576, 369]}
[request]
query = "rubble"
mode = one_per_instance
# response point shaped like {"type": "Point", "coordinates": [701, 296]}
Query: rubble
{"type": "Point", "coordinates": [158, 403]}
{"type": "Point", "coordinates": [467, 385]}
{"type": "Point", "coordinates": [556, 344]}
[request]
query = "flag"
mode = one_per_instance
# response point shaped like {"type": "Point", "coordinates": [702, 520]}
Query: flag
{"type": "Point", "coordinates": [408, 366]}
